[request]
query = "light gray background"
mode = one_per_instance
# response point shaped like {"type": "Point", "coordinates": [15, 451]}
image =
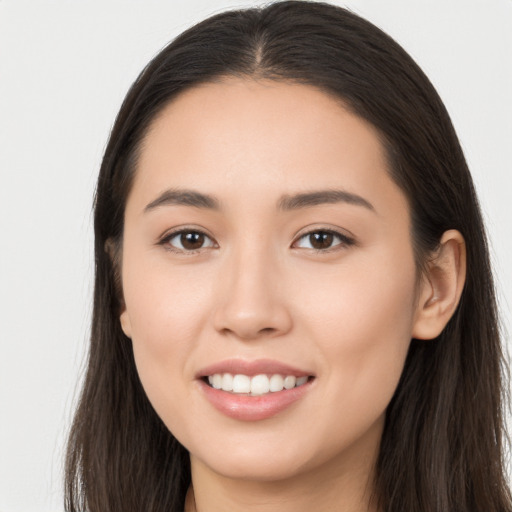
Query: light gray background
{"type": "Point", "coordinates": [64, 69]}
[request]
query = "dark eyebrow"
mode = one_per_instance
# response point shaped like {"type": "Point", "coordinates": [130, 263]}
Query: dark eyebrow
{"type": "Point", "coordinates": [184, 197]}
{"type": "Point", "coordinates": [286, 203]}
{"type": "Point", "coordinates": [309, 199]}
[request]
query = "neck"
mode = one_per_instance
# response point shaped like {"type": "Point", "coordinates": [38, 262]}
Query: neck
{"type": "Point", "coordinates": [343, 483]}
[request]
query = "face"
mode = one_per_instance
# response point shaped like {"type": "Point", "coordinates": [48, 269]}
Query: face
{"type": "Point", "coordinates": [268, 277]}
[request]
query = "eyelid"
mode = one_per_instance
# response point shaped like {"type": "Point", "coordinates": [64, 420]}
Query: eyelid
{"type": "Point", "coordinates": [346, 239]}
{"type": "Point", "coordinates": [168, 235]}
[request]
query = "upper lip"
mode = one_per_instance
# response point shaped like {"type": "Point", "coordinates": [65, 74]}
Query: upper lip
{"type": "Point", "coordinates": [251, 368]}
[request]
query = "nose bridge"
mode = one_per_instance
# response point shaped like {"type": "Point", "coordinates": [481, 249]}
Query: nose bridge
{"type": "Point", "coordinates": [251, 302]}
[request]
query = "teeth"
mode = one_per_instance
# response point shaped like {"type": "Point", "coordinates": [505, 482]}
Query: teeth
{"type": "Point", "coordinates": [227, 382]}
{"type": "Point", "coordinates": [257, 385]}
{"type": "Point", "coordinates": [289, 382]}
{"type": "Point", "coordinates": [300, 381]}
{"type": "Point", "coordinates": [217, 381]}
{"type": "Point", "coordinates": [260, 384]}
{"type": "Point", "coordinates": [241, 384]}
{"type": "Point", "coordinates": [276, 383]}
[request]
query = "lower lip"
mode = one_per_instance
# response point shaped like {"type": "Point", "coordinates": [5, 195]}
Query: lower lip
{"type": "Point", "coordinates": [253, 408]}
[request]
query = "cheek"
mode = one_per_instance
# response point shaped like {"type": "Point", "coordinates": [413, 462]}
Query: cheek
{"type": "Point", "coordinates": [166, 308]}
{"type": "Point", "coordinates": [167, 313]}
{"type": "Point", "coordinates": [364, 302]}
{"type": "Point", "coordinates": [362, 323]}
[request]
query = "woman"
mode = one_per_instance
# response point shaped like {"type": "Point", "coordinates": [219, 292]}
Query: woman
{"type": "Point", "coordinates": [293, 302]}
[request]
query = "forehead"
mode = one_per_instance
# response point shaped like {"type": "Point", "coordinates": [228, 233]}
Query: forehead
{"type": "Point", "coordinates": [257, 137]}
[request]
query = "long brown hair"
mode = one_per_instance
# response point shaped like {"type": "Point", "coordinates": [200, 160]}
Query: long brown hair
{"type": "Point", "coordinates": [443, 443]}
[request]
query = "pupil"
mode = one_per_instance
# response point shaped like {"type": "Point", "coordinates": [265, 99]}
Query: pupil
{"type": "Point", "coordinates": [321, 240]}
{"type": "Point", "coordinates": [192, 240]}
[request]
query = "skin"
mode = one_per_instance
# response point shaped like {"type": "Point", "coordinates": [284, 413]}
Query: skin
{"type": "Point", "coordinates": [257, 289]}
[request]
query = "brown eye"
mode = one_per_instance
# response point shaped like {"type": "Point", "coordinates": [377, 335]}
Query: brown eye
{"type": "Point", "coordinates": [188, 241]}
{"type": "Point", "coordinates": [323, 240]}
{"type": "Point", "coordinates": [192, 241]}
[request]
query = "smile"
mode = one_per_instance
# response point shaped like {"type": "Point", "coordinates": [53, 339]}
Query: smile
{"type": "Point", "coordinates": [256, 385]}
{"type": "Point", "coordinates": [254, 390]}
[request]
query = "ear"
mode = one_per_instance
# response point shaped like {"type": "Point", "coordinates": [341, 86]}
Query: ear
{"type": "Point", "coordinates": [441, 286]}
{"type": "Point", "coordinates": [126, 325]}
{"type": "Point", "coordinates": [113, 250]}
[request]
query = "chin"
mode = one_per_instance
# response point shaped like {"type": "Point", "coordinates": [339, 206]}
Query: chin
{"type": "Point", "coordinates": [255, 466]}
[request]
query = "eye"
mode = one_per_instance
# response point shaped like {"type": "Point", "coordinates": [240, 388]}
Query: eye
{"type": "Point", "coordinates": [323, 240]}
{"type": "Point", "coordinates": [187, 240]}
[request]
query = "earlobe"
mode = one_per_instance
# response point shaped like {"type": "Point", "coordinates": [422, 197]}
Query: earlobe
{"type": "Point", "coordinates": [441, 287]}
{"type": "Point", "coordinates": [126, 326]}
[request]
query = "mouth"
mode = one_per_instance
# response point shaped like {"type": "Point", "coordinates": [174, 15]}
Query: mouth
{"type": "Point", "coordinates": [257, 385]}
{"type": "Point", "coordinates": [254, 390]}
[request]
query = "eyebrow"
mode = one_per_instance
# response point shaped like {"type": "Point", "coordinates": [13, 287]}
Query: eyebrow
{"type": "Point", "coordinates": [309, 199]}
{"type": "Point", "coordinates": [186, 198]}
{"type": "Point", "coordinates": [286, 203]}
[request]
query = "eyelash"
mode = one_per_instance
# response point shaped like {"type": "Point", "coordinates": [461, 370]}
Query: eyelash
{"type": "Point", "coordinates": [344, 240]}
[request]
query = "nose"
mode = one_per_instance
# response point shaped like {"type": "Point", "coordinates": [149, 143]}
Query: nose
{"type": "Point", "coordinates": [252, 300]}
